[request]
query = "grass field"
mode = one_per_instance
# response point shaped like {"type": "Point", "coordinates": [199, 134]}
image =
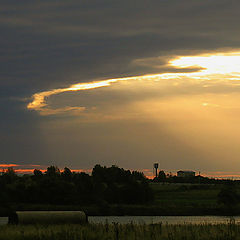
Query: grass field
{"type": "Point", "coordinates": [185, 193]}
{"type": "Point", "coordinates": [169, 199]}
{"type": "Point", "coordinates": [107, 231]}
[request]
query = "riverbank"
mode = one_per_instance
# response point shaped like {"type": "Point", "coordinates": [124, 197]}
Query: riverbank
{"type": "Point", "coordinates": [116, 231]}
{"type": "Point", "coordinates": [169, 200]}
{"type": "Point", "coordinates": [133, 210]}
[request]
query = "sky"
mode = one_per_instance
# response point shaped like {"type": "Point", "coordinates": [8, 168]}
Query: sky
{"type": "Point", "coordinates": [124, 83]}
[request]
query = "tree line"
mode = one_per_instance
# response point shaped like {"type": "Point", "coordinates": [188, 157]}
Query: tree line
{"type": "Point", "coordinates": [110, 185]}
{"type": "Point", "coordinates": [162, 177]}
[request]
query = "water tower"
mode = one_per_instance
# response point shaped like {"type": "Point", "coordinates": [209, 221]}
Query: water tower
{"type": "Point", "coordinates": [155, 165]}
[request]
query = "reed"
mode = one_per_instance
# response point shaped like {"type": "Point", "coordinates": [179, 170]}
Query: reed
{"type": "Point", "coordinates": [230, 231]}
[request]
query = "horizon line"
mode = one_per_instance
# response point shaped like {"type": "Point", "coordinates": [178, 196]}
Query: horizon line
{"type": "Point", "coordinates": [28, 169]}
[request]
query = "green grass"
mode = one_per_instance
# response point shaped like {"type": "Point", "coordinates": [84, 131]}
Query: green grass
{"type": "Point", "coordinates": [187, 199]}
{"type": "Point", "coordinates": [107, 231]}
{"type": "Point", "coordinates": [170, 199]}
{"type": "Point", "coordinates": [177, 193]}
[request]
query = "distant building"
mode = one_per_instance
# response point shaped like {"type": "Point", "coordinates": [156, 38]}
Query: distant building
{"type": "Point", "coordinates": [186, 174]}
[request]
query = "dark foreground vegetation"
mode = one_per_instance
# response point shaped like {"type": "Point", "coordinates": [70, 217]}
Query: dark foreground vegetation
{"type": "Point", "coordinates": [115, 191]}
{"type": "Point", "coordinates": [53, 188]}
{"type": "Point", "coordinates": [116, 231]}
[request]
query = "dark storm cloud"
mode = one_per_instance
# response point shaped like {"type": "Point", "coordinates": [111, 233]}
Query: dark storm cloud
{"type": "Point", "coordinates": [48, 44]}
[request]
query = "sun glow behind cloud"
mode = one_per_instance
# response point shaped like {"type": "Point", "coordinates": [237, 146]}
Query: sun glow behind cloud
{"type": "Point", "coordinates": [211, 64]}
{"type": "Point", "coordinates": [213, 67]}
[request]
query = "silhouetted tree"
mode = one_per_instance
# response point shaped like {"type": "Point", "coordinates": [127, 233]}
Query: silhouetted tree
{"type": "Point", "coordinates": [106, 185]}
{"type": "Point", "coordinates": [67, 174]}
{"type": "Point", "coordinates": [53, 171]}
{"type": "Point", "coordinates": [37, 174]}
{"type": "Point", "coordinates": [121, 186]}
{"type": "Point", "coordinates": [9, 176]}
{"type": "Point", "coordinates": [161, 176]}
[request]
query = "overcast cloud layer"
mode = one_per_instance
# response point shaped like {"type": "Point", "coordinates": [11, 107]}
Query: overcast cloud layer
{"type": "Point", "coordinates": [49, 45]}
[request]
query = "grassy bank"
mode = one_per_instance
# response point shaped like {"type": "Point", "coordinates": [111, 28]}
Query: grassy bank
{"type": "Point", "coordinates": [169, 200]}
{"type": "Point", "coordinates": [106, 231]}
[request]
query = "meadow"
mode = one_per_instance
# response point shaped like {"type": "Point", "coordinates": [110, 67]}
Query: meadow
{"type": "Point", "coordinates": [230, 231]}
{"type": "Point", "coordinates": [187, 199]}
{"type": "Point", "coordinates": [169, 200]}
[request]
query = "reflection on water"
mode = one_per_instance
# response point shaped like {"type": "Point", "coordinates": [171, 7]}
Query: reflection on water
{"type": "Point", "coordinates": [163, 219]}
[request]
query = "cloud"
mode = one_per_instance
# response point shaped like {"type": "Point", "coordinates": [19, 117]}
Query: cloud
{"type": "Point", "coordinates": [52, 45]}
{"type": "Point", "coordinates": [8, 165]}
{"type": "Point", "coordinates": [59, 43]}
{"type": "Point", "coordinates": [204, 67]}
{"type": "Point", "coordinates": [72, 110]}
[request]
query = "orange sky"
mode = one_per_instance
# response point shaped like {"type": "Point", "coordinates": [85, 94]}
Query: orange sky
{"type": "Point", "coordinates": [149, 173]}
